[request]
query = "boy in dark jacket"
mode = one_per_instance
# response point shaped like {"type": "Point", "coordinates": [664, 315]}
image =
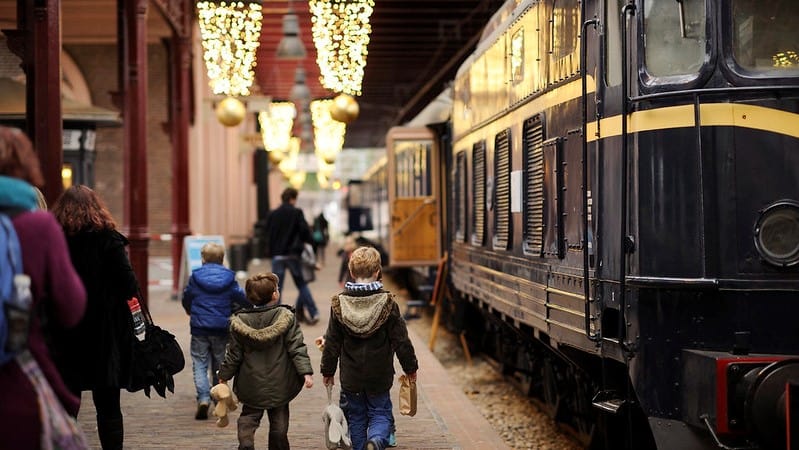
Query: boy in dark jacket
{"type": "Point", "coordinates": [269, 359]}
{"type": "Point", "coordinates": [364, 332]}
{"type": "Point", "coordinates": [210, 296]}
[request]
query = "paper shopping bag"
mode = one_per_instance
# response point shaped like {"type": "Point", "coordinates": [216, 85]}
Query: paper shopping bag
{"type": "Point", "coordinates": [407, 396]}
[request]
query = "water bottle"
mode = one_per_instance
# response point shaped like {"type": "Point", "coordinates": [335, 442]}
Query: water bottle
{"type": "Point", "coordinates": [138, 317]}
{"type": "Point", "coordinates": [18, 314]}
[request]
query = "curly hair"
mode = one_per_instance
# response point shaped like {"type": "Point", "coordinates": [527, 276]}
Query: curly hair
{"type": "Point", "coordinates": [80, 209]}
{"type": "Point", "coordinates": [260, 288]}
{"type": "Point", "coordinates": [17, 158]}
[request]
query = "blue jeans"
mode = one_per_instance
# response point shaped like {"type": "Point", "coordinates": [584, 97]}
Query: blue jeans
{"type": "Point", "coordinates": [305, 299]}
{"type": "Point", "coordinates": [206, 351]}
{"type": "Point", "coordinates": [368, 417]}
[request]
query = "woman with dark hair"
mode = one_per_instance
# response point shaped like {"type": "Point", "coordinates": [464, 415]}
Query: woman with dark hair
{"type": "Point", "coordinates": [57, 292]}
{"type": "Point", "coordinates": [96, 355]}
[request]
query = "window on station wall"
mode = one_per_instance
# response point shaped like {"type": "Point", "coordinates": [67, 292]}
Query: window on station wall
{"type": "Point", "coordinates": [533, 149]}
{"type": "Point", "coordinates": [67, 175]}
{"type": "Point", "coordinates": [502, 215]}
{"type": "Point", "coordinates": [459, 193]}
{"type": "Point", "coordinates": [479, 196]}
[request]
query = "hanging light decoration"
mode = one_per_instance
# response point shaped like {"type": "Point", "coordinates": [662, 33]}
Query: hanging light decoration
{"type": "Point", "coordinates": [230, 34]}
{"type": "Point", "coordinates": [276, 125]}
{"type": "Point", "coordinates": [340, 31]}
{"type": "Point", "coordinates": [328, 133]}
{"type": "Point", "coordinates": [289, 164]}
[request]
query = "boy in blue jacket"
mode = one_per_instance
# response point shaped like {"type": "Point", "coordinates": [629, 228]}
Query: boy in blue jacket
{"type": "Point", "coordinates": [210, 297]}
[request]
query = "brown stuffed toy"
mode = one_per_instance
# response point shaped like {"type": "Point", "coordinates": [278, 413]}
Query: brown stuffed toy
{"type": "Point", "coordinates": [225, 402]}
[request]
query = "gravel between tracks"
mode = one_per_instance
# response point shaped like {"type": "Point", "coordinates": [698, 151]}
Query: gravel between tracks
{"type": "Point", "coordinates": [520, 423]}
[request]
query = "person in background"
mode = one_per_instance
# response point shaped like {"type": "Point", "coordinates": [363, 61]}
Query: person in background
{"type": "Point", "coordinates": [97, 354]}
{"type": "Point", "coordinates": [211, 295]}
{"type": "Point", "coordinates": [364, 332]}
{"type": "Point", "coordinates": [321, 236]}
{"type": "Point", "coordinates": [56, 289]}
{"type": "Point", "coordinates": [269, 359]}
{"type": "Point", "coordinates": [288, 232]}
{"type": "Point", "coordinates": [344, 253]}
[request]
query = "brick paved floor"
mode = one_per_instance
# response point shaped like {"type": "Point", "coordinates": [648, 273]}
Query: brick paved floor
{"type": "Point", "coordinates": [445, 418]}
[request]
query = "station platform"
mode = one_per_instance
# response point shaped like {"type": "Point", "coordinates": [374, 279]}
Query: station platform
{"type": "Point", "coordinates": [445, 418]}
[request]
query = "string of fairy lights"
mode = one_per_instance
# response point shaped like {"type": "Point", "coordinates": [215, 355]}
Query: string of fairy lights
{"type": "Point", "coordinates": [230, 36]}
{"type": "Point", "coordinates": [230, 32]}
{"type": "Point", "coordinates": [341, 31]}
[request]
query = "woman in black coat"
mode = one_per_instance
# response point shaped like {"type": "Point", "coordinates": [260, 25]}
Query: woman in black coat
{"type": "Point", "coordinates": [96, 355]}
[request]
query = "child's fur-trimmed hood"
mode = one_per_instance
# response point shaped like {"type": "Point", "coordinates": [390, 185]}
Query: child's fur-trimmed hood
{"type": "Point", "coordinates": [362, 314]}
{"type": "Point", "coordinates": [259, 327]}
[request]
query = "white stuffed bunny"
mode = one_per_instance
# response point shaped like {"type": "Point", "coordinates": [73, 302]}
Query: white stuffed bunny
{"type": "Point", "coordinates": [337, 433]}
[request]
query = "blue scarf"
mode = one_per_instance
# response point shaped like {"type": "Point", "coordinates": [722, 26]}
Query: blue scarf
{"type": "Point", "coordinates": [16, 194]}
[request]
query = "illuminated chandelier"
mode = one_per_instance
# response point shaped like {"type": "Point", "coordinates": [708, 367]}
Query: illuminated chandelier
{"type": "Point", "coordinates": [230, 34]}
{"type": "Point", "coordinates": [276, 124]}
{"type": "Point", "coordinates": [341, 34]}
{"type": "Point", "coordinates": [328, 133]}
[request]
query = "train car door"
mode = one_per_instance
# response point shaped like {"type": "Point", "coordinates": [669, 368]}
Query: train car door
{"type": "Point", "coordinates": [414, 209]}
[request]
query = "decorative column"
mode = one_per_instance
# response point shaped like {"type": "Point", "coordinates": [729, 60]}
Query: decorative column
{"type": "Point", "coordinates": [37, 41]}
{"type": "Point", "coordinates": [180, 116]}
{"type": "Point", "coordinates": [132, 21]}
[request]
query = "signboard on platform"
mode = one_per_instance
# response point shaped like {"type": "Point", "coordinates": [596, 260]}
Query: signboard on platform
{"type": "Point", "coordinates": [192, 258]}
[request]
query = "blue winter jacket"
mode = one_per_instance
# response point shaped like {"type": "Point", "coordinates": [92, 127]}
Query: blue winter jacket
{"type": "Point", "coordinates": [210, 297]}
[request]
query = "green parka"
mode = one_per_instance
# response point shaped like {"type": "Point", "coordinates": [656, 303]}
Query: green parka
{"type": "Point", "coordinates": [267, 356]}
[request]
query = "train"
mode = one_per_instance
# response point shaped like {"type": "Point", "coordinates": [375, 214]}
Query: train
{"type": "Point", "coordinates": [615, 193]}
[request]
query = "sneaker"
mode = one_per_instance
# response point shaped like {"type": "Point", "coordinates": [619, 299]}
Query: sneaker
{"type": "Point", "coordinates": [392, 440]}
{"type": "Point", "coordinates": [202, 411]}
{"type": "Point", "coordinates": [372, 445]}
{"type": "Point", "coordinates": [313, 320]}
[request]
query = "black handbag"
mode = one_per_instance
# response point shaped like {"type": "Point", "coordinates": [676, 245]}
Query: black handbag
{"type": "Point", "coordinates": [156, 359]}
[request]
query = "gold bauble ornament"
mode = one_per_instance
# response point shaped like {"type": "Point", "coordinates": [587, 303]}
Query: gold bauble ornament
{"type": "Point", "coordinates": [344, 108]}
{"type": "Point", "coordinates": [276, 156]}
{"type": "Point", "coordinates": [230, 111]}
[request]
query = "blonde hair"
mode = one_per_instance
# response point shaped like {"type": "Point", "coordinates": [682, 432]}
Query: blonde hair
{"type": "Point", "coordinates": [364, 262]}
{"type": "Point", "coordinates": [260, 288]}
{"type": "Point", "coordinates": [212, 253]}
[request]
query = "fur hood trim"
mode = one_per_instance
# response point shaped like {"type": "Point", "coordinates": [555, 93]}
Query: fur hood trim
{"type": "Point", "coordinates": [362, 315]}
{"type": "Point", "coordinates": [257, 329]}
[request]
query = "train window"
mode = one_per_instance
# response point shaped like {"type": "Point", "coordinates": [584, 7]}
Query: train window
{"type": "Point", "coordinates": [517, 56]}
{"type": "Point", "coordinates": [479, 196]}
{"type": "Point", "coordinates": [533, 185]}
{"type": "Point", "coordinates": [565, 20]}
{"type": "Point", "coordinates": [765, 37]}
{"type": "Point", "coordinates": [502, 215]}
{"type": "Point", "coordinates": [675, 37]}
{"type": "Point", "coordinates": [613, 41]}
{"type": "Point", "coordinates": [565, 32]}
{"type": "Point", "coordinates": [459, 192]}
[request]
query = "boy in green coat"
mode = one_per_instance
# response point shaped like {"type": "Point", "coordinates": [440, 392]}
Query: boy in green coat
{"type": "Point", "coordinates": [268, 358]}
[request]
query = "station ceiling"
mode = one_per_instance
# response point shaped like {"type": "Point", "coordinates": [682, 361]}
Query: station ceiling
{"type": "Point", "coordinates": [415, 49]}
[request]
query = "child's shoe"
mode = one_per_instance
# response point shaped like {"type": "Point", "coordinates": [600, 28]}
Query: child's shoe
{"type": "Point", "coordinates": [202, 411]}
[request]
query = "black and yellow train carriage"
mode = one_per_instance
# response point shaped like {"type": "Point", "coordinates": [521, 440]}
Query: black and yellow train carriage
{"type": "Point", "coordinates": [619, 197]}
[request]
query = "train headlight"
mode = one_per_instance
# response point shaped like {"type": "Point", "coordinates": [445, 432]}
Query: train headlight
{"type": "Point", "coordinates": [777, 233]}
